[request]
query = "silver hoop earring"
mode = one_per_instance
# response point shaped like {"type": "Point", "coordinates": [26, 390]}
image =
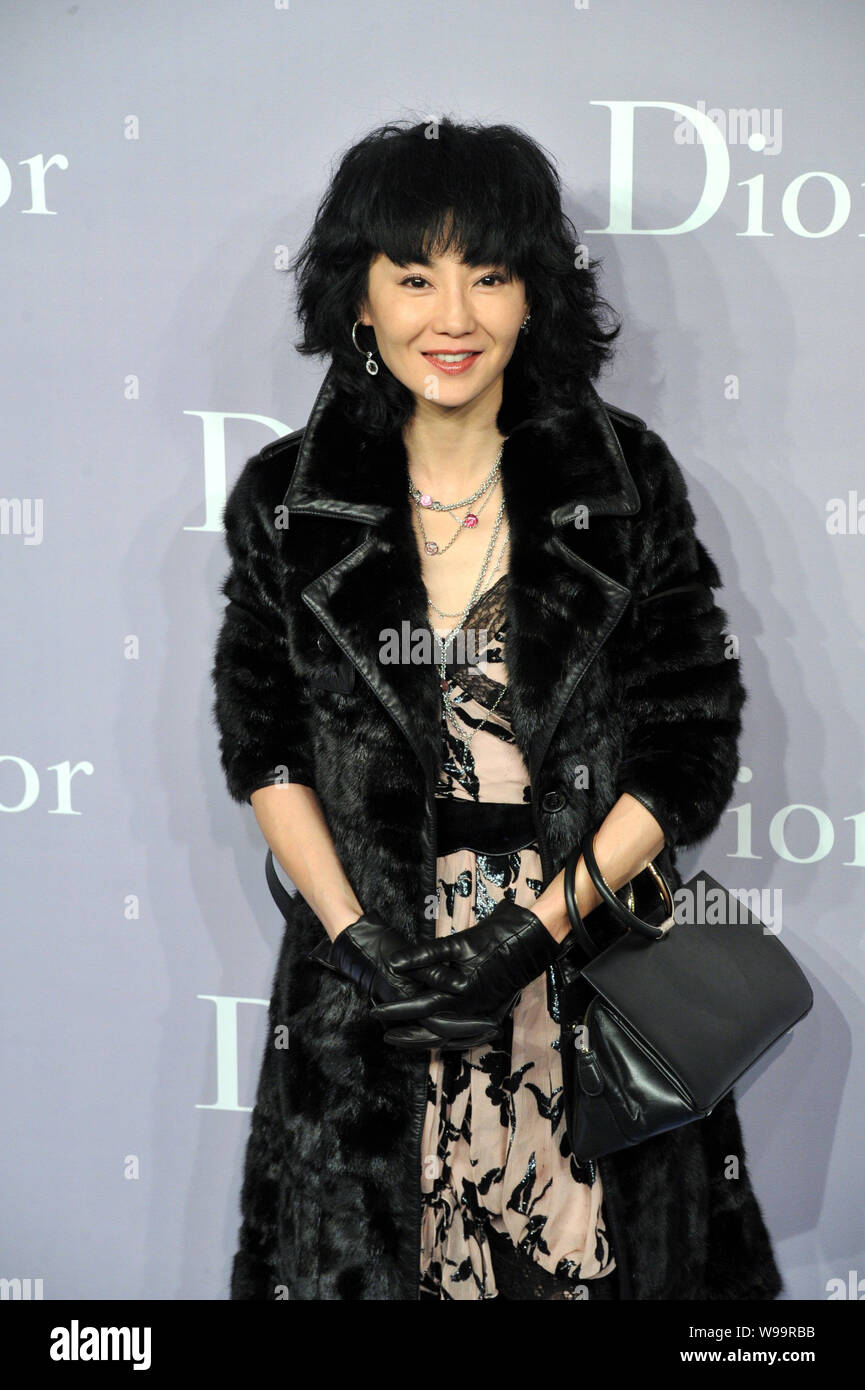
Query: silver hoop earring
{"type": "Point", "coordinates": [371, 366]}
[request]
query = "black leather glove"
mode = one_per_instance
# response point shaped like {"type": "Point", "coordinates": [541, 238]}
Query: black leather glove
{"type": "Point", "coordinates": [482, 969]}
{"type": "Point", "coordinates": [362, 953]}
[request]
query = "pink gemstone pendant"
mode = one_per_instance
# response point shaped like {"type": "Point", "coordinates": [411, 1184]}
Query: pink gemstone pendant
{"type": "Point", "coordinates": [431, 548]}
{"type": "Point", "coordinates": [425, 500]}
{"type": "Point", "coordinates": [470, 520]}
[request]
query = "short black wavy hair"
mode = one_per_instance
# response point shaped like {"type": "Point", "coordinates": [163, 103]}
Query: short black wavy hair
{"type": "Point", "coordinates": [493, 195]}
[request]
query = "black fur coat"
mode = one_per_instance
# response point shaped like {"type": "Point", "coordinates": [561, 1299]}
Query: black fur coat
{"type": "Point", "coordinates": [617, 663]}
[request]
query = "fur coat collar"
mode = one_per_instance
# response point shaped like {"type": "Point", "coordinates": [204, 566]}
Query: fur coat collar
{"type": "Point", "coordinates": [567, 591]}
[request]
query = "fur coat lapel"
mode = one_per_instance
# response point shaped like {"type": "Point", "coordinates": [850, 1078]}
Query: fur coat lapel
{"type": "Point", "coordinates": [566, 590]}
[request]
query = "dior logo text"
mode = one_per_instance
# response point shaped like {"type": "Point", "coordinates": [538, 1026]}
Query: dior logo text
{"type": "Point", "coordinates": [33, 181]}
{"type": "Point", "coordinates": [19, 777]}
{"type": "Point", "coordinates": [225, 1018]}
{"type": "Point", "coordinates": [763, 212]}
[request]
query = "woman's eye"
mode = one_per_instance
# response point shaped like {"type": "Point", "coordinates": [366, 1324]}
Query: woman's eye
{"type": "Point", "coordinates": [495, 275]}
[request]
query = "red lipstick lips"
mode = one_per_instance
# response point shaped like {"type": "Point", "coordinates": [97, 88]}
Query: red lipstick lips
{"type": "Point", "coordinates": [453, 363]}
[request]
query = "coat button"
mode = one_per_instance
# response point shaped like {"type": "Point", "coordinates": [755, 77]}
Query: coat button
{"type": "Point", "coordinates": [323, 641]}
{"type": "Point", "coordinates": [553, 800]}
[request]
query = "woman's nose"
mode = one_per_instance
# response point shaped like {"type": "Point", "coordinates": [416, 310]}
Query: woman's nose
{"type": "Point", "coordinates": [454, 315]}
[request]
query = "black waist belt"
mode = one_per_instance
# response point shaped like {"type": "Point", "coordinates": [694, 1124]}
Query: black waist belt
{"type": "Point", "coordinates": [486, 827]}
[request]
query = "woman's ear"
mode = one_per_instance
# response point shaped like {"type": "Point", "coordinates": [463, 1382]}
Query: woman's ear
{"type": "Point", "coordinates": [362, 309]}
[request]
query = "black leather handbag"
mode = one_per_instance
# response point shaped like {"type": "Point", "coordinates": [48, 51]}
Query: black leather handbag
{"type": "Point", "coordinates": [675, 1011]}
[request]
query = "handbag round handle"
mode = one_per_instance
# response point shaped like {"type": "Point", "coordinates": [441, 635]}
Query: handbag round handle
{"type": "Point", "coordinates": [579, 927]}
{"type": "Point", "coordinates": [630, 919]}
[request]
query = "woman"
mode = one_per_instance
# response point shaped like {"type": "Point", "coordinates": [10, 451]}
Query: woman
{"type": "Point", "coordinates": [459, 475]}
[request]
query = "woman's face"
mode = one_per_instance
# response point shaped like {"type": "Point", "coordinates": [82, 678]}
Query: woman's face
{"type": "Point", "coordinates": [469, 313]}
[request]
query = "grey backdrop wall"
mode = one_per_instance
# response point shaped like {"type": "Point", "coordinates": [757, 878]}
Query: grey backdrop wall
{"type": "Point", "coordinates": [158, 163]}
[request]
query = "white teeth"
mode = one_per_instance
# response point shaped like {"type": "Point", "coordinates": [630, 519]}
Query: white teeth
{"type": "Point", "coordinates": [452, 356]}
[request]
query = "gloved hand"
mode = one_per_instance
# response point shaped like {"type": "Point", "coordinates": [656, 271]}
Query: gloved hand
{"type": "Point", "coordinates": [482, 969]}
{"type": "Point", "coordinates": [362, 953]}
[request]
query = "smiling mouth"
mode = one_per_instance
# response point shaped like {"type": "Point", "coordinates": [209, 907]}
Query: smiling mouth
{"type": "Point", "coordinates": [453, 361]}
{"type": "Point", "coordinates": [453, 356]}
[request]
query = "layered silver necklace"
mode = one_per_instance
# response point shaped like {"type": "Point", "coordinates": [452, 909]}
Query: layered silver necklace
{"type": "Point", "coordinates": [423, 501]}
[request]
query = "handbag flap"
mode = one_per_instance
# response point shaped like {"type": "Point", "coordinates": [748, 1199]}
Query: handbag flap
{"type": "Point", "coordinates": [709, 997]}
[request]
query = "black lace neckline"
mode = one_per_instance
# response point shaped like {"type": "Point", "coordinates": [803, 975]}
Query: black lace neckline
{"type": "Point", "coordinates": [487, 615]}
{"type": "Point", "coordinates": [486, 595]}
